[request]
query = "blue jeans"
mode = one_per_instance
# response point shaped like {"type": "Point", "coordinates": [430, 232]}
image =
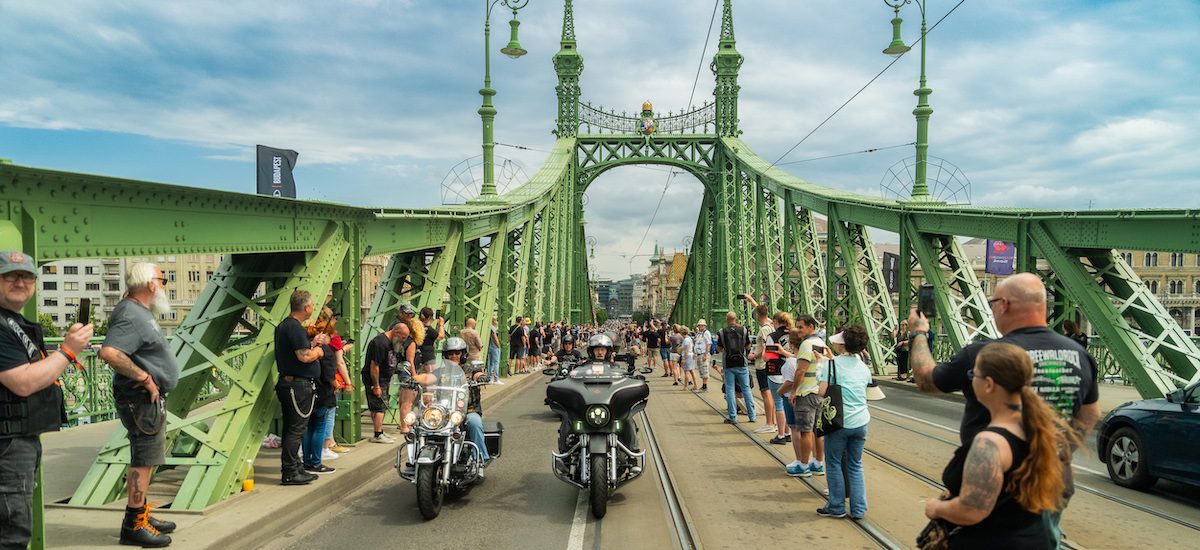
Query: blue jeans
{"type": "Point", "coordinates": [330, 420]}
{"type": "Point", "coordinates": [314, 438]}
{"type": "Point", "coordinates": [493, 364]}
{"type": "Point", "coordinates": [474, 424]}
{"type": "Point", "coordinates": [843, 451]}
{"type": "Point", "coordinates": [741, 377]}
{"type": "Point", "coordinates": [19, 459]}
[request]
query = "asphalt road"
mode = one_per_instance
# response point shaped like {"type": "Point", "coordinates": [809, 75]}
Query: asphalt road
{"type": "Point", "coordinates": [520, 504]}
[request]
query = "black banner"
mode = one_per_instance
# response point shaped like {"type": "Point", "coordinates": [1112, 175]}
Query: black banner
{"type": "Point", "coordinates": [891, 271]}
{"type": "Point", "coordinates": [275, 171]}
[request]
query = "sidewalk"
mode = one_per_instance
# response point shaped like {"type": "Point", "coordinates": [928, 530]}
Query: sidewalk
{"type": "Point", "coordinates": [247, 520]}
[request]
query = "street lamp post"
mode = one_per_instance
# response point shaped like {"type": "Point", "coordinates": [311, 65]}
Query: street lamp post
{"type": "Point", "coordinates": [487, 112]}
{"type": "Point", "coordinates": [920, 190]}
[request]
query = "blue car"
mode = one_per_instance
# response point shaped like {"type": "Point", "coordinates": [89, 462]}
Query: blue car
{"type": "Point", "coordinates": [1142, 441]}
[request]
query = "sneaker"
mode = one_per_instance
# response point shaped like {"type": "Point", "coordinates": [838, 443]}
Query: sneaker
{"type": "Point", "coordinates": [676, 383]}
{"type": "Point", "coordinates": [499, 382]}
{"type": "Point", "coordinates": [382, 438]}
{"type": "Point", "coordinates": [854, 517]}
{"type": "Point", "coordinates": [339, 449]}
{"type": "Point", "coordinates": [329, 455]}
{"type": "Point", "coordinates": [299, 478]}
{"type": "Point", "coordinates": [779, 440]}
{"type": "Point", "coordinates": [817, 469]}
{"type": "Point", "coordinates": [704, 389]}
{"type": "Point", "coordinates": [728, 421]}
{"type": "Point", "coordinates": [798, 471]}
{"type": "Point", "coordinates": [788, 437]}
{"type": "Point", "coordinates": [827, 514]}
{"type": "Point", "coordinates": [763, 429]}
{"type": "Point", "coordinates": [319, 469]}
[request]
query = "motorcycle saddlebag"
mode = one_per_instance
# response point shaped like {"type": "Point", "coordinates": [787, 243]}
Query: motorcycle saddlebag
{"type": "Point", "coordinates": [492, 434]}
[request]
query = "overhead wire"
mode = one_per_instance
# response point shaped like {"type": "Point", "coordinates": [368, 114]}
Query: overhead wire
{"type": "Point", "coordinates": [864, 87]}
{"type": "Point", "coordinates": [871, 150]}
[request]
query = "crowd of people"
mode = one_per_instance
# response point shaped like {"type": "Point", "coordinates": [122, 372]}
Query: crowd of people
{"type": "Point", "coordinates": [1031, 396]}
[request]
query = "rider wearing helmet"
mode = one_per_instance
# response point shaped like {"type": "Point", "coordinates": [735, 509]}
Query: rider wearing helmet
{"type": "Point", "coordinates": [455, 351]}
{"type": "Point", "coordinates": [600, 348]}
{"type": "Point", "coordinates": [568, 353]}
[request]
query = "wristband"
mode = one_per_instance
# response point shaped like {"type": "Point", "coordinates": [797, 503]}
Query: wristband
{"type": "Point", "coordinates": [70, 357]}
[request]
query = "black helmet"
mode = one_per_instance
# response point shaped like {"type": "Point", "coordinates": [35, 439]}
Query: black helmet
{"type": "Point", "coordinates": [568, 339]}
{"type": "Point", "coordinates": [455, 343]}
{"type": "Point", "coordinates": [600, 341]}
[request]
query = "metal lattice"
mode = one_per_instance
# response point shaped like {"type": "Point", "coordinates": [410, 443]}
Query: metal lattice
{"type": "Point", "coordinates": [946, 181]}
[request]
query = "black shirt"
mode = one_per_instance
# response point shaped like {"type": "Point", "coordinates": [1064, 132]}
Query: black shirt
{"type": "Point", "coordinates": [380, 352]}
{"type": "Point", "coordinates": [573, 356]}
{"type": "Point", "coordinates": [425, 353]}
{"type": "Point", "coordinates": [326, 395]}
{"type": "Point", "coordinates": [12, 350]}
{"type": "Point", "coordinates": [1009, 525]}
{"type": "Point", "coordinates": [1064, 375]}
{"type": "Point", "coordinates": [290, 337]}
{"type": "Point", "coordinates": [651, 339]}
{"type": "Point", "coordinates": [516, 336]}
{"type": "Point", "coordinates": [733, 342]}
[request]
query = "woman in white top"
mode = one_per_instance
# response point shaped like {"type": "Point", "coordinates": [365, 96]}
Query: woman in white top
{"type": "Point", "coordinates": [844, 447]}
{"type": "Point", "coordinates": [687, 353]}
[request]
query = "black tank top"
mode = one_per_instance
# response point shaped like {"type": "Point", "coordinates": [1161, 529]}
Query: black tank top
{"type": "Point", "coordinates": [1009, 525]}
{"type": "Point", "coordinates": [426, 354]}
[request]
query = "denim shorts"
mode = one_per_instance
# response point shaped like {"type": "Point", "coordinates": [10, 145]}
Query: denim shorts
{"type": "Point", "coordinates": [664, 353]}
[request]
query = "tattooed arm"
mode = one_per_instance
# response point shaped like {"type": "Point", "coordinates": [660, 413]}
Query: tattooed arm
{"type": "Point", "coordinates": [983, 479]}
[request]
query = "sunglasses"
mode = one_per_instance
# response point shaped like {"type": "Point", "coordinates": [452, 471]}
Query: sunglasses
{"type": "Point", "coordinates": [14, 276]}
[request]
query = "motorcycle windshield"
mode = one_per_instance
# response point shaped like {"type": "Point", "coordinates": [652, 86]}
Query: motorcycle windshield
{"type": "Point", "coordinates": [443, 391]}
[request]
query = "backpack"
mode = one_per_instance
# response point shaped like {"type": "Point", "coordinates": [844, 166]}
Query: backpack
{"type": "Point", "coordinates": [733, 339]}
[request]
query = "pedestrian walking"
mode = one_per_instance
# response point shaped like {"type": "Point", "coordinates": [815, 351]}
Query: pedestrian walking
{"type": "Point", "coordinates": [844, 447]}
{"type": "Point", "coordinates": [1012, 471]}
{"type": "Point", "coordinates": [31, 401]}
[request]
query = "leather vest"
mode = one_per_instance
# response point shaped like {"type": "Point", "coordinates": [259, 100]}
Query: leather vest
{"type": "Point", "coordinates": [41, 412]}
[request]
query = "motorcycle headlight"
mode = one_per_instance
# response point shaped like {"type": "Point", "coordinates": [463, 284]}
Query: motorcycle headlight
{"type": "Point", "coordinates": [596, 415]}
{"type": "Point", "coordinates": [433, 418]}
{"type": "Point", "coordinates": [456, 418]}
{"type": "Point", "coordinates": [410, 418]}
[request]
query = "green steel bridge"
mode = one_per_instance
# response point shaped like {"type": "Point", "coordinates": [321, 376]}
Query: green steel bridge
{"type": "Point", "coordinates": [523, 253]}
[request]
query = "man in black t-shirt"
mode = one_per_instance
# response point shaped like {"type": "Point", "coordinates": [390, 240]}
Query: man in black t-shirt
{"type": "Point", "coordinates": [380, 363]}
{"type": "Point", "coordinates": [297, 358]}
{"type": "Point", "coordinates": [652, 344]}
{"type": "Point", "coordinates": [1064, 374]}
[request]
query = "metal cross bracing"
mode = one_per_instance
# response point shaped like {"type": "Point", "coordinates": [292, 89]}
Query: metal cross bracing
{"type": "Point", "coordinates": [523, 253]}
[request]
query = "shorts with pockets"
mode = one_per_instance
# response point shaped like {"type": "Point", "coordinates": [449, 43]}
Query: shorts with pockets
{"type": "Point", "coordinates": [804, 412]}
{"type": "Point", "coordinates": [145, 423]}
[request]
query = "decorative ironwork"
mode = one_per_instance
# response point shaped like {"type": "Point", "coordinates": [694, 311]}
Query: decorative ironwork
{"type": "Point", "coordinates": [946, 181]}
{"type": "Point", "coordinates": [701, 120]}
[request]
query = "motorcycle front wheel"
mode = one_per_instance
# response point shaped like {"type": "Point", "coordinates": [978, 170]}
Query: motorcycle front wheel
{"type": "Point", "coordinates": [598, 486]}
{"type": "Point", "coordinates": [430, 493]}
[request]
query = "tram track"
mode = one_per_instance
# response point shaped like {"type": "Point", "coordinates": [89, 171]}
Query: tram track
{"type": "Point", "coordinates": [868, 528]}
{"type": "Point", "coordinates": [1079, 486]}
{"type": "Point", "coordinates": [684, 531]}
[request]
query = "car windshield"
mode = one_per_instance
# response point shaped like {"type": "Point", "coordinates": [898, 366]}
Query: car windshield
{"type": "Point", "coordinates": [447, 388]}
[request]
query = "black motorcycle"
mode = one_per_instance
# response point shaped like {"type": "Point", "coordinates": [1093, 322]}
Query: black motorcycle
{"type": "Point", "coordinates": [596, 402]}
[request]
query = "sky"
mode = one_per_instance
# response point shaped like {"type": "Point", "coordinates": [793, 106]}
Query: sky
{"type": "Point", "coordinates": [1072, 104]}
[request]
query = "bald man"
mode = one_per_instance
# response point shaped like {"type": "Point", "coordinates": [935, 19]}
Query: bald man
{"type": "Point", "coordinates": [1064, 373]}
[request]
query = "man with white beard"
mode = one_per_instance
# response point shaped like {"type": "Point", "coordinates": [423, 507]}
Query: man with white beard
{"type": "Point", "coordinates": [146, 371]}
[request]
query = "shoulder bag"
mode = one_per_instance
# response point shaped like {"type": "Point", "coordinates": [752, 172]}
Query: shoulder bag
{"type": "Point", "coordinates": [831, 413]}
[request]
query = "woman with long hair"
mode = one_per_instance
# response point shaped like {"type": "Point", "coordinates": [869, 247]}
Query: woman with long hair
{"type": "Point", "coordinates": [1012, 471]}
{"type": "Point", "coordinates": [844, 447]}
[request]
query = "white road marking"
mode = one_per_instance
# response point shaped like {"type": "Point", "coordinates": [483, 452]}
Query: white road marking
{"type": "Point", "coordinates": [575, 542]}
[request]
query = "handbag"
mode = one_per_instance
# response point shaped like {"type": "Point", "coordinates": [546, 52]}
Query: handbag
{"type": "Point", "coordinates": [936, 535]}
{"type": "Point", "coordinates": [831, 414]}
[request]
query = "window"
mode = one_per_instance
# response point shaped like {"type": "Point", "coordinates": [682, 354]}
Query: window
{"type": "Point", "coordinates": [70, 270]}
{"type": "Point", "coordinates": [171, 276]}
{"type": "Point", "coordinates": [983, 285]}
{"type": "Point", "coordinates": [174, 316]}
{"type": "Point", "coordinates": [114, 286]}
{"type": "Point", "coordinates": [1150, 259]}
{"type": "Point", "coordinates": [171, 295]}
{"type": "Point", "coordinates": [1153, 286]}
{"type": "Point", "coordinates": [71, 286]}
{"type": "Point", "coordinates": [193, 276]}
{"type": "Point", "coordinates": [49, 302]}
{"type": "Point", "coordinates": [1176, 259]}
{"type": "Point", "coordinates": [1175, 287]}
{"type": "Point", "coordinates": [89, 270]}
{"type": "Point", "coordinates": [49, 285]}
{"type": "Point", "coordinates": [1128, 257]}
{"type": "Point", "coordinates": [49, 269]}
{"type": "Point", "coordinates": [1197, 286]}
{"type": "Point", "coordinates": [54, 317]}
{"type": "Point", "coordinates": [208, 276]}
{"type": "Point", "coordinates": [91, 286]}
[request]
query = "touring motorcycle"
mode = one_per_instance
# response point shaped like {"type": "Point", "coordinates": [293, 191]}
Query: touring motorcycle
{"type": "Point", "coordinates": [442, 461]}
{"type": "Point", "coordinates": [596, 402]}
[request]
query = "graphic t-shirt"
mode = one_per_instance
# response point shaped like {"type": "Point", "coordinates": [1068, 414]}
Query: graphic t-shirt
{"type": "Point", "coordinates": [1064, 375]}
{"type": "Point", "coordinates": [808, 384]}
{"type": "Point", "coordinates": [380, 352]}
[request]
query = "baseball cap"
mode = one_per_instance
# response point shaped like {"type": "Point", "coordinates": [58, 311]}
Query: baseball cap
{"type": "Point", "coordinates": [407, 308]}
{"type": "Point", "coordinates": [837, 339]}
{"type": "Point", "coordinates": [15, 260]}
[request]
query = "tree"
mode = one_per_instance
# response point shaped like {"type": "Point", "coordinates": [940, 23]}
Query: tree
{"type": "Point", "coordinates": [601, 316]}
{"type": "Point", "coordinates": [48, 327]}
{"type": "Point", "coordinates": [641, 317]}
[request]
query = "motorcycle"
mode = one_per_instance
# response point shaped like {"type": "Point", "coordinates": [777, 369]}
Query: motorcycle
{"type": "Point", "coordinates": [442, 460]}
{"type": "Point", "coordinates": [596, 402]}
